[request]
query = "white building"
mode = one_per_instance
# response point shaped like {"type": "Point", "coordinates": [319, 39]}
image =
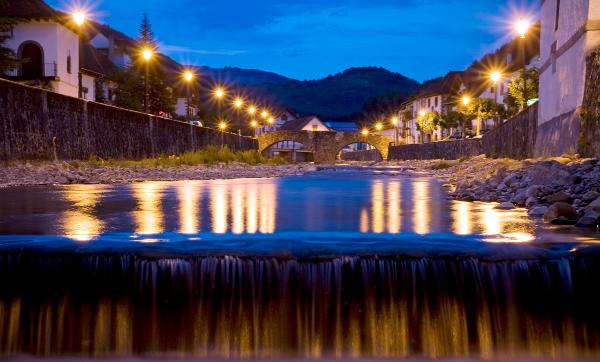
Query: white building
{"type": "Point", "coordinates": [570, 29]}
{"type": "Point", "coordinates": [282, 117]}
{"type": "Point", "coordinates": [50, 51]}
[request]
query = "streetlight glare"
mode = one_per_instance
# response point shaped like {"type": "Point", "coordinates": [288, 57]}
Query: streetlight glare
{"type": "Point", "coordinates": [254, 124]}
{"type": "Point", "coordinates": [466, 100]}
{"type": "Point", "coordinates": [219, 92]}
{"type": "Point", "coordinates": [238, 103]}
{"type": "Point", "coordinates": [222, 125]}
{"type": "Point", "coordinates": [522, 26]}
{"type": "Point", "coordinates": [365, 132]}
{"type": "Point", "coordinates": [395, 121]}
{"type": "Point", "coordinates": [79, 17]}
{"type": "Point", "coordinates": [422, 113]}
{"type": "Point", "coordinates": [379, 126]}
{"type": "Point", "coordinates": [264, 114]}
{"type": "Point", "coordinates": [495, 76]}
{"type": "Point", "coordinates": [271, 120]}
{"type": "Point", "coordinates": [188, 76]}
{"type": "Point", "coordinates": [147, 54]}
{"type": "Point", "coordinates": [251, 109]}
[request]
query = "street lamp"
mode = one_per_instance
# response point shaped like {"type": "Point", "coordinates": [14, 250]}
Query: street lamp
{"type": "Point", "coordinates": [253, 124]}
{"type": "Point", "coordinates": [251, 110]}
{"type": "Point", "coordinates": [188, 76]}
{"type": "Point", "coordinates": [466, 100]}
{"type": "Point", "coordinates": [219, 93]}
{"type": "Point", "coordinates": [522, 27]}
{"type": "Point", "coordinates": [364, 132]}
{"type": "Point", "coordinates": [379, 126]}
{"type": "Point", "coordinates": [422, 113]}
{"type": "Point", "coordinates": [395, 122]}
{"type": "Point", "coordinates": [147, 55]}
{"type": "Point", "coordinates": [271, 120]}
{"type": "Point", "coordinates": [222, 125]}
{"type": "Point", "coordinates": [238, 103]}
{"type": "Point", "coordinates": [495, 76]}
{"type": "Point", "coordinates": [79, 18]}
{"type": "Point", "coordinates": [264, 114]}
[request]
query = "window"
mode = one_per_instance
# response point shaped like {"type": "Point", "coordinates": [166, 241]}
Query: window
{"type": "Point", "coordinates": [557, 16]}
{"type": "Point", "coordinates": [69, 63]}
{"type": "Point", "coordinates": [436, 101]}
{"type": "Point", "coordinates": [428, 102]}
{"type": "Point", "coordinates": [315, 127]}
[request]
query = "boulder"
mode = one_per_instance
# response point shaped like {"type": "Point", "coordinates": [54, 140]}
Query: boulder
{"type": "Point", "coordinates": [590, 196]}
{"type": "Point", "coordinates": [594, 205]}
{"type": "Point", "coordinates": [560, 209]}
{"type": "Point", "coordinates": [590, 219]}
{"type": "Point", "coordinates": [532, 191]}
{"type": "Point", "coordinates": [531, 201]}
{"type": "Point", "coordinates": [505, 206]}
{"type": "Point", "coordinates": [519, 198]}
{"type": "Point", "coordinates": [561, 220]}
{"type": "Point", "coordinates": [538, 211]}
{"type": "Point", "coordinates": [561, 196]}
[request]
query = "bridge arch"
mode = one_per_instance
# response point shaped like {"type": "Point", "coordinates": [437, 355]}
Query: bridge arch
{"type": "Point", "coordinates": [324, 145]}
{"type": "Point", "coordinates": [382, 152]}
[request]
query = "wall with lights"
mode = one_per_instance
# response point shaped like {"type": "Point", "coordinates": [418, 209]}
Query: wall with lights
{"type": "Point", "coordinates": [39, 124]}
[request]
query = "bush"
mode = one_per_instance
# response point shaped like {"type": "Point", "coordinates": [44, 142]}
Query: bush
{"type": "Point", "coordinates": [209, 155]}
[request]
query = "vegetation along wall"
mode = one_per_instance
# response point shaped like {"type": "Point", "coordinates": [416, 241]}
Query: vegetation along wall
{"type": "Point", "coordinates": [37, 124]}
{"type": "Point", "coordinates": [589, 144]}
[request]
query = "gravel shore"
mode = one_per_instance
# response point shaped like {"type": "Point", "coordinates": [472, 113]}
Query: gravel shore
{"type": "Point", "coordinates": [61, 173]}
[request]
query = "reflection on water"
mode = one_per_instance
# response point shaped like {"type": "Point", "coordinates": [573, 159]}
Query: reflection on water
{"type": "Point", "coordinates": [391, 205]}
{"type": "Point", "coordinates": [80, 222]}
{"type": "Point", "coordinates": [148, 216]}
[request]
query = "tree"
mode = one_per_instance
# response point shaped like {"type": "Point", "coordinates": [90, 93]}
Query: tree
{"type": "Point", "coordinates": [453, 119]}
{"type": "Point", "coordinates": [8, 59]}
{"type": "Point", "coordinates": [426, 123]}
{"type": "Point", "coordinates": [522, 89]}
{"type": "Point", "coordinates": [146, 36]}
{"type": "Point", "coordinates": [129, 91]}
{"type": "Point", "coordinates": [482, 109]}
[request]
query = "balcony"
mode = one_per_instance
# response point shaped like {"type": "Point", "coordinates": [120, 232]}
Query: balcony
{"type": "Point", "coordinates": [32, 72]}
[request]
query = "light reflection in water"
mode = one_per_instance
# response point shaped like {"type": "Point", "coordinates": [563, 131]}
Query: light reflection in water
{"type": "Point", "coordinates": [394, 211]}
{"type": "Point", "coordinates": [218, 207]}
{"type": "Point", "coordinates": [80, 222]}
{"type": "Point", "coordinates": [149, 216]}
{"type": "Point", "coordinates": [378, 207]}
{"type": "Point", "coordinates": [421, 215]}
{"type": "Point", "coordinates": [461, 213]}
{"type": "Point", "coordinates": [189, 196]}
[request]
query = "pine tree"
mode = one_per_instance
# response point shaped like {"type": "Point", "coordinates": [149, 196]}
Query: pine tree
{"type": "Point", "coordinates": [146, 36]}
{"type": "Point", "coordinates": [8, 59]}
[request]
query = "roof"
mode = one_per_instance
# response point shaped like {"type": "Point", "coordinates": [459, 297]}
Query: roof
{"type": "Point", "coordinates": [92, 60]}
{"type": "Point", "coordinates": [342, 126]}
{"type": "Point", "coordinates": [299, 123]}
{"type": "Point", "coordinates": [28, 9]}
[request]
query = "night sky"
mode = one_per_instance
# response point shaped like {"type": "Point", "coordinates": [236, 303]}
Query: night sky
{"type": "Point", "coordinates": [308, 39]}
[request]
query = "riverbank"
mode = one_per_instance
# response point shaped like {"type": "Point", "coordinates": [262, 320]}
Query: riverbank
{"type": "Point", "coordinates": [562, 190]}
{"type": "Point", "coordinates": [64, 173]}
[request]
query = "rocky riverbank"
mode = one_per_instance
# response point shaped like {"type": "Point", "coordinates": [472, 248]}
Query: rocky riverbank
{"type": "Point", "coordinates": [562, 190]}
{"type": "Point", "coordinates": [61, 173]}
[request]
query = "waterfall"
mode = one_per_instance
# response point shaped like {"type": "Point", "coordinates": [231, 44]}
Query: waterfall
{"type": "Point", "coordinates": [253, 307]}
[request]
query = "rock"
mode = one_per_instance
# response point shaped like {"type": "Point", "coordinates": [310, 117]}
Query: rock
{"type": "Point", "coordinates": [532, 191]}
{"type": "Point", "coordinates": [61, 180]}
{"type": "Point", "coordinates": [538, 211]}
{"type": "Point", "coordinates": [590, 219]}
{"type": "Point", "coordinates": [590, 196]}
{"type": "Point", "coordinates": [595, 205]}
{"type": "Point", "coordinates": [561, 196]}
{"type": "Point", "coordinates": [531, 201]}
{"type": "Point", "coordinates": [505, 206]}
{"type": "Point", "coordinates": [560, 209]}
{"type": "Point", "coordinates": [561, 220]}
{"type": "Point", "coordinates": [519, 197]}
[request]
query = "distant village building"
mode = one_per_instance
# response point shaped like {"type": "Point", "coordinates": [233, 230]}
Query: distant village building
{"type": "Point", "coordinates": [282, 117]}
{"type": "Point", "coordinates": [50, 51]}
{"type": "Point", "coordinates": [570, 30]}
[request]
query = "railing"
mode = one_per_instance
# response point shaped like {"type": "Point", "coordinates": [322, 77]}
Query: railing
{"type": "Point", "coordinates": [24, 72]}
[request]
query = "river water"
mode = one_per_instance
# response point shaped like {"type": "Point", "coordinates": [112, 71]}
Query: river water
{"type": "Point", "coordinates": [331, 264]}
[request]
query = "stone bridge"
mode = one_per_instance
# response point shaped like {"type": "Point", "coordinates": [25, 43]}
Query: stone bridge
{"type": "Point", "coordinates": [324, 145]}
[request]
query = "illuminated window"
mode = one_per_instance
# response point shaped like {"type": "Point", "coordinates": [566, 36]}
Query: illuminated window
{"type": "Point", "coordinates": [315, 128]}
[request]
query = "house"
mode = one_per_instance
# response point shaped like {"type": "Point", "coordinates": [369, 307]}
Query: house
{"type": "Point", "coordinates": [51, 53]}
{"type": "Point", "coordinates": [282, 117]}
{"type": "Point", "coordinates": [438, 95]}
{"type": "Point", "coordinates": [570, 30]}
{"type": "Point", "coordinates": [295, 151]}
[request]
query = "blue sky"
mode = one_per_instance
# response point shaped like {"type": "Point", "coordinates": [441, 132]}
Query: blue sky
{"type": "Point", "coordinates": [309, 39]}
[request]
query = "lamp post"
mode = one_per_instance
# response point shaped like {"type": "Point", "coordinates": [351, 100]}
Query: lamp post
{"type": "Point", "coordinates": [79, 18]}
{"type": "Point", "coordinates": [188, 76]}
{"type": "Point", "coordinates": [495, 76]}
{"type": "Point", "coordinates": [522, 27]}
{"type": "Point", "coordinates": [219, 94]}
{"type": "Point", "coordinates": [147, 55]}
{"type": "Point", "coordinates": [395, 122]}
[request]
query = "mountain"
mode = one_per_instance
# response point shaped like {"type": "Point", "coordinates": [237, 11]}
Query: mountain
{"type": "Point", "coordinates": [234, 75]}
{"type": "Point", "coordinates": [336, 97]}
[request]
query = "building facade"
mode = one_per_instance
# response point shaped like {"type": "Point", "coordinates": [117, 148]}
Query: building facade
{"type": "Point", "coordinates": [570, 29]}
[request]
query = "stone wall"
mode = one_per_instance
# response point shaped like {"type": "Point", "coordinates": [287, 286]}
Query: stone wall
{"type": "Point", "coordinates": [365, 155]}
{"type": "Point", "coordinates": [515, 138]}
{"type": "Point", "coordinates": [589, 145]}
{"type": "Point", "coordinates": [37, 124]}
{"type": "Point", "coordinates": [447, 150]}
